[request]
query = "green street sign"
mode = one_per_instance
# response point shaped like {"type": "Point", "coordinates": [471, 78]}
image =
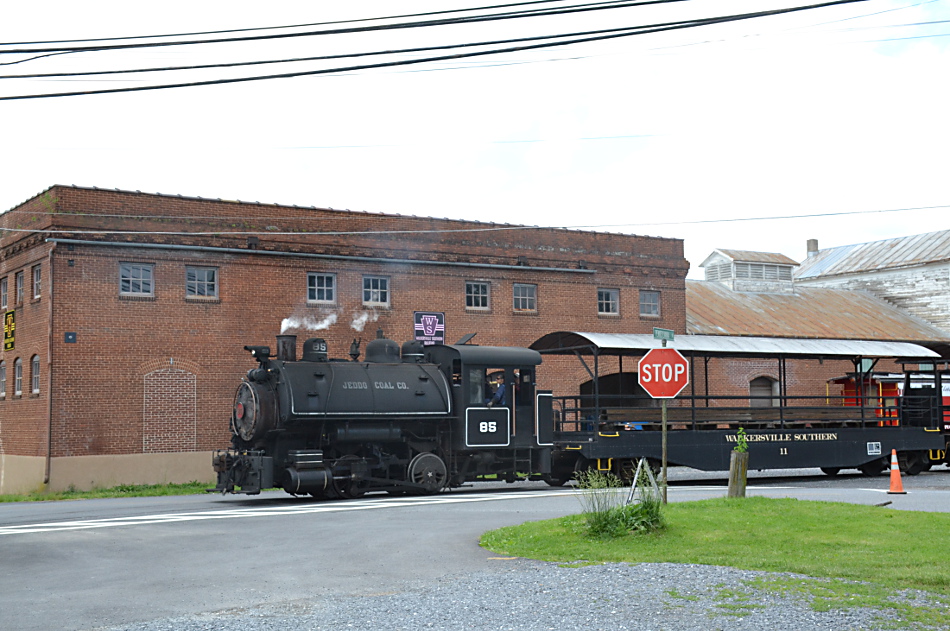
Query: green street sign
{"type": "Point", "coordinates": [662, 334]}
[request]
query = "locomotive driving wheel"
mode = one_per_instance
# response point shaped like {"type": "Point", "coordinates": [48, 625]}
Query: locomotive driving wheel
{"type": "Point", "coordinates": [428, 471]}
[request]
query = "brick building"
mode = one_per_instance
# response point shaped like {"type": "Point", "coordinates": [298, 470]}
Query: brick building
{"type": "Point", "coordinates": [126, 313]}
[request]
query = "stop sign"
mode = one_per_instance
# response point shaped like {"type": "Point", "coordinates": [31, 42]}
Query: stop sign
{"type": "Point", "coordinates": [663, 373]}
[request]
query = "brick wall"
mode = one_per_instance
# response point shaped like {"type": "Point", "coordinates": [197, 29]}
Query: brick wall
{"type": "Point", "coordinates": [23, 417]}
{"type": "Point", "coordinates": [158, 373]}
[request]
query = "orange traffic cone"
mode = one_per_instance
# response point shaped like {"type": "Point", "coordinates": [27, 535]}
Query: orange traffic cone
{"type": "Point", "coordinates": [896, 486]}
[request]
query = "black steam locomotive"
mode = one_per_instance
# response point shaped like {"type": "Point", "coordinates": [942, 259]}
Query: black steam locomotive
{"type": "Point", "coordinates": [413, 421]}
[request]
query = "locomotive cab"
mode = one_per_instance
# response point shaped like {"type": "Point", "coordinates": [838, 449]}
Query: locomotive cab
{"type": "Point", "coordinates": [504, 424]}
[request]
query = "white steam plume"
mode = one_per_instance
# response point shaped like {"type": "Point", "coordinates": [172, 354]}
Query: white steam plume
{"type": "Point", "coordinates": [360, 319]}
{"type": "Point", "coordinates": [308, 323]}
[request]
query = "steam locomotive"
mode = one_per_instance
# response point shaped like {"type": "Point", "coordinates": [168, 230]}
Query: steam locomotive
{"type": "Point", "coordinates": [418, 419]}
{"type": "Point", "coordinates": [409, 420]}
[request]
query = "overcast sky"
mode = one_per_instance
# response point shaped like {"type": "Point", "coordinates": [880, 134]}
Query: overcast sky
{"type": "Point", "coordinates": [833, 110]}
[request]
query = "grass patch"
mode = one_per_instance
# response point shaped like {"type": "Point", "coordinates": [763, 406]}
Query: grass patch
{"type": "Point", "coordinates": [850, 556]}
{"type": "Point", "coordinates": [895, 549]}
{"type": "Point", "coordinates": [123, 490]}
{"type": "Point", "coordinates": [837, 594]}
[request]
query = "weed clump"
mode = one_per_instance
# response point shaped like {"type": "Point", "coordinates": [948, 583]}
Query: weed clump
{"type": "Point", "coordinates": [610, 510]}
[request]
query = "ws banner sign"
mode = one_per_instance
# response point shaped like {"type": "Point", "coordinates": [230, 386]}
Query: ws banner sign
{"type": "Point", "coordinates": [429, 327]}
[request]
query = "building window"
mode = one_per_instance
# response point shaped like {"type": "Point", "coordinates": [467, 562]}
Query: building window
{"type": "Point", "coordinates": [201, 282]}
{"type": "Point", "coordinates": [37, 281]}
{"type": "Point", "coordinates": [376, 291]}
{"type": "Point", "coordinates": [763, 271]}
{"type": "Point", "coordinates": [135, 279]}
{"type": "Point", "coordinates": [525, 297]}
{"type": "Point", "coordinates": [476, 295]}
{"type": "Point", "coordinates": [18, 377]}
{"type": "Point", "coordinates": [3, 379]}
{"type": "Point", "coordinates": [19, 288]}
{"type": "Point", "coordinates": [649, 303]}
{"type": "Point", "coordinates": [322, 288]}
{"type": "Point", "coordinates": [718, 271]}
{"type": "Point", "coordinates": [3, 292]}
{"type": "Point", "coordinates": [35, 374]}
{"type": "Point", "coordinates": [608, 301]}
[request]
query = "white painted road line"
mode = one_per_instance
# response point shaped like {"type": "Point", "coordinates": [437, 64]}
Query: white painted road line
{"type": "Point", "coordinates": [270, 511]}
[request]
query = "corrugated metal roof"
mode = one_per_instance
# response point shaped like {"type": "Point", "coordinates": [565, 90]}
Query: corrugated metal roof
{"type": "Point", "coordinates": [809, 312]}
{"type": "Point", "coordinates": [745, 256]}
{"type": "Point", "coordinates": [920, 249]}
{"type": "Point", "coordinates": [713, 345]}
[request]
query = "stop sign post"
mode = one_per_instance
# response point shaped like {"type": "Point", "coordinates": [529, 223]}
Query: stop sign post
{"type": "Point", "coordinates": [663, 373]}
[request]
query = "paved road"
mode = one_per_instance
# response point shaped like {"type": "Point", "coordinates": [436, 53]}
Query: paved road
{"type": "Point", "coordinates": [83, 564]}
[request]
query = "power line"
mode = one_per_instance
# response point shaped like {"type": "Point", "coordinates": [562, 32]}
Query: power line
{"type": "Point", "coordinates": [779, 217]}
{"type": "Point", "coordinates": [327, 57]}
{"type": "Point", "coordinates": [616, 4]}
{"type": "Point", "coordinates": [291, 26]}
{"type": "Point", "coordinates": [630, 31]}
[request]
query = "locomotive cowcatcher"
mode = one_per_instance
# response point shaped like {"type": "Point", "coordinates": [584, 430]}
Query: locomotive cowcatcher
{"type": "Point", "coordinates": [412, 420]}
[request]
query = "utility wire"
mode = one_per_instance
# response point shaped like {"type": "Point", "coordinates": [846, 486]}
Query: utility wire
{"type": "Point", "coordinates": [363, 29]}
{"type": "Point", "coordinates": [290, 26]}
{"type": "Point", "coordinates": [398, 51]}
{"type": "Point", "coordinates": [403, 51]}
{"type": "Point", "coordinates": [640, 30]}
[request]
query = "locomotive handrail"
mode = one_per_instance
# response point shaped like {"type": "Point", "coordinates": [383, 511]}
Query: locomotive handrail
{"type": "Point", "coordinates": [722, 412]}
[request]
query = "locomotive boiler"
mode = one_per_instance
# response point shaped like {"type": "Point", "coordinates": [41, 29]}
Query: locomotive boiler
{"type": "Point", "coordinates": [413, 419]}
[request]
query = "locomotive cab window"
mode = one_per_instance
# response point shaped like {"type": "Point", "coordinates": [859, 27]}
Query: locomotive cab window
{"type": "Point", "coordinates": [477, 386]}
{"type": "Point", "coordinates": [456, 373]}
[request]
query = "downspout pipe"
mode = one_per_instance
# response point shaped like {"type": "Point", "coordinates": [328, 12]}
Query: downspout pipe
{"type": "Point", "coordinates": [49, 366]}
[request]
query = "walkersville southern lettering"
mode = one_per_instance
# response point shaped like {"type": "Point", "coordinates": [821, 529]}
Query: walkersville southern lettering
{"type": "Point", "coordinates": [783, 438]}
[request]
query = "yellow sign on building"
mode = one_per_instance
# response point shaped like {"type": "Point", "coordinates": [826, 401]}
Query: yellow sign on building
{"type": "Point", "coordinates": [9, 328]}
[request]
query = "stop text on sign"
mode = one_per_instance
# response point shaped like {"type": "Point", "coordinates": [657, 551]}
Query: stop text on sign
{"type": "Point", "coordinates": [662, 372]}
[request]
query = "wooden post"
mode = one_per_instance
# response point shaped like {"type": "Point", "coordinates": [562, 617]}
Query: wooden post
{"type": "Point", "coordinates": [738, 470]}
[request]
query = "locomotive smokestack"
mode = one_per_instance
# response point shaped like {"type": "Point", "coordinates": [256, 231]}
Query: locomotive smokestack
{"type": "Point", "coordinates": [287, 348]}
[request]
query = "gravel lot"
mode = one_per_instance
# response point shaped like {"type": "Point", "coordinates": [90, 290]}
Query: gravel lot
{"type": "Point", "coordinates": [536, 596]}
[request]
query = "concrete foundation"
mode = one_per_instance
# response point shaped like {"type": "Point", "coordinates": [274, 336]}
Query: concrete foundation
{"type": "Point", "coordinates": [24, 474]}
